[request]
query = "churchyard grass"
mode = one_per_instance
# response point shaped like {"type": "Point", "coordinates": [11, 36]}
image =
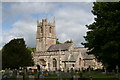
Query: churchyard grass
{"type": "Point", "coordinates": [98, 75]}
{"type": "Point", "coordinates": [66, 75]}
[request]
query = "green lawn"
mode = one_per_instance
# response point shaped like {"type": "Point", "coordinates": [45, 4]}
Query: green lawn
{"type": "Point", "coordinates": [64, 76]}
{"type": "Point", "coordinates": [98, 75]}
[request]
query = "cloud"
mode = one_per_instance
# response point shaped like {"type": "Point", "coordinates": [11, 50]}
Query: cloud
{"type": "Point", "coordinates": [0, 13]}
{"type": "Point", "coordinates": [21, 29]}
{"type": "Point", "coordinates": [0, 25]}
{"type": "Point", "coordinates": [25, 9]}
{"type": "Point", "coordinates": [49, 0]}
{"type": "Point", "coordinates": [0, 42]}
{"type": "Point", "coordinates": [71, 19]}
{"type": "Point", "coordinates": [18, 21]}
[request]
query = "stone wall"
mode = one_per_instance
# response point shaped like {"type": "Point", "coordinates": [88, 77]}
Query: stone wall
{"type": "Point", "coordinates": [63, 63]}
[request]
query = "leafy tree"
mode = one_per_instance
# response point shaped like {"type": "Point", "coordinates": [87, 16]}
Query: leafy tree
{"type": "Point", "coordinates": [31, 49]}
{"type": "Point", "coordinates": [15, 54]}
{"type": "Point", "coordinates": [68, 41]}
{"type": "Point", "coordinates": [57, 41]}
{"type": "Point", "coordinates": [103, 39]}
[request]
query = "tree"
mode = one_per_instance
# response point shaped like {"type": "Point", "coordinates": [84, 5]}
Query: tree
{"type": "Point", "coordinates": [57, 41]}
{"type": "Point", "coordinates": [68, 41]}
{"type": "Point", "coordinates": [103, 39]}
{"type": "Point", "coordinates": [31, 49]}
{"type": "Point", "coordinates": [15, 54]}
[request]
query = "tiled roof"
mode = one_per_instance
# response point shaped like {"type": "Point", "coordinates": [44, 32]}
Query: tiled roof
{"type": "Point", "coordinates": [84, 54]}
{"type": "Point", "coordinates": [71, 56]}
{"type": "Point", "coordinates": [62, 47]}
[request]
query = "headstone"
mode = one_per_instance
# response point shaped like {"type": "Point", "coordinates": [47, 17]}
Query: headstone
{"type": "Point", "coordinates": [15, 72]}
{"type": "Point", "coordinates": [117, 68]}
{"type": "Point", "coordinates": [91, 78]}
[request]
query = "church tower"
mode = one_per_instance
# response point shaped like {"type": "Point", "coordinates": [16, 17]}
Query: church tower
{"type": "Point", "coordinates": [46, 35]}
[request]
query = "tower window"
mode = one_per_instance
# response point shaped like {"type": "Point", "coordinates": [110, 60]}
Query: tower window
{"type": "Point", "coordinates": [80, 61]}
{"type": "Point", "coordinates": [73, 65]}
{"type": "Point", "coordinates": [50, 29]}
{"type": "Point", "coordinates": [41, 29]}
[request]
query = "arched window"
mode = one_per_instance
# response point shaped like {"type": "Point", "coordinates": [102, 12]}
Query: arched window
{"type": "Point", "coordinates": [49, 66]}
{"type": "Point", "coordinates": [50, 29]}
{"type": "Point", "coordinates": [73, 65]}
{"type": "Point", "coordinates": [41, 29]}
{"type": "Point", "coordinates": [54, 62]}
{"type": "Point", "coordinates": [79, 61]}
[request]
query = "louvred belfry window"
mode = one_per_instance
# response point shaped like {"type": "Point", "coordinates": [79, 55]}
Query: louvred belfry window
{"type": "Point", "coordinates": [50, 29]}
{"type": "Point", "coordinates": [41, 29]}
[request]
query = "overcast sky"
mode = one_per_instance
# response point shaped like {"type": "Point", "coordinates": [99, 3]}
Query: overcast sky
{"type": "Point", "coordinates": [19, 20]}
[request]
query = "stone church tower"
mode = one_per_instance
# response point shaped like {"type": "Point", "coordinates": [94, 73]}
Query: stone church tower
{"type": "Point", "coordinates": [46, 35]}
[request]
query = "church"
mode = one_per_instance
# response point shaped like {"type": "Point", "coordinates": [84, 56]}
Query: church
{"type": "Point", "coordinates": [66, 56]}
